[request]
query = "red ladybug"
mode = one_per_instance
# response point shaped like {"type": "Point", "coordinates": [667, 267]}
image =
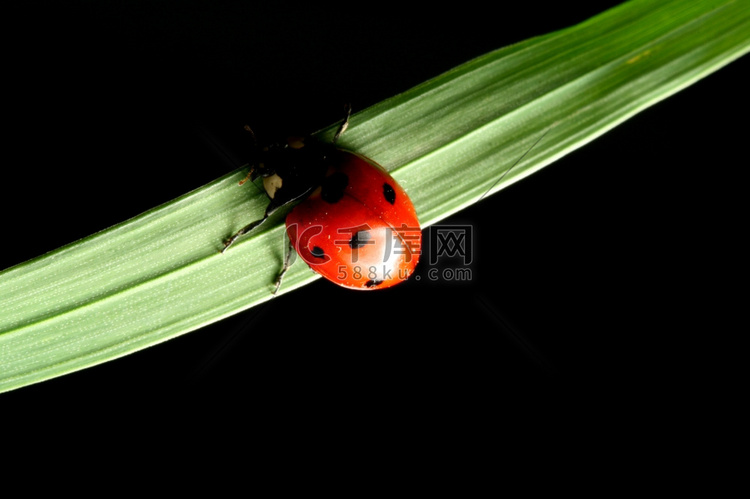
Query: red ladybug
{"type": "Point", "coordinates": [354, 224]}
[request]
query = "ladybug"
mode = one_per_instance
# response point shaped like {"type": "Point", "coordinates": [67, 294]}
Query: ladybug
{"type": "Point", "coordinates": [351, 222]}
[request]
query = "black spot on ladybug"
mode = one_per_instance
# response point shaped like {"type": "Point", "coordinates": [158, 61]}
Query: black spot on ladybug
{"type": "Point", "coordinates": [372, 283]}
{"type": "Point", "coordinates": [389, 193]}
{"type": "Point", "coordinates": [359, 239]}
{"type": "Point", "coordinates": [332, 188]}
{"type": "Point", "coordinates": [318, 252]}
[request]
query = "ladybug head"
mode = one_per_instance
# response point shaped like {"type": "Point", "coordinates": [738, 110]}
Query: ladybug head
{"type": "Point", "coordinates": [265, 160]}
{"type": "Point", "coordinates": [291, 164]}
{"type": "Point", "coordinates": [291, 160]}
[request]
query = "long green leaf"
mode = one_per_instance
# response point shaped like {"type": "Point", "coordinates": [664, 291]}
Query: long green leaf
{"type": "Point", "coordinates": [160, 275]}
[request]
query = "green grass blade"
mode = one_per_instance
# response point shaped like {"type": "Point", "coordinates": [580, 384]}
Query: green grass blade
{"type": "Point", "coordinates": [160, 275]}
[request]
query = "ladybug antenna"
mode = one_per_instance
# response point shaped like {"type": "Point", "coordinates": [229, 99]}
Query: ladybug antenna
{"type": "Point", "coordinates": [553, 125]}
{"type": "Point", "coordinates": [252, 134]}
{"type": "Point", "coordinates": [255, 148]}
{"type": "Point", "coordinates": [344, 125]}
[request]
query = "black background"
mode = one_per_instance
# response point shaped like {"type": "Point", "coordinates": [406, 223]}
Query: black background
{"type": "Point", "coordinates": [625, 253]}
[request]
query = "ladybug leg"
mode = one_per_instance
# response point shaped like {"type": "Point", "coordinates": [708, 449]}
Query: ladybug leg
{"type": "Point", "coordinates": [242, 232]}
{"type": "Point", "coordinates": [344, 124]}
{"type": "Point", "coordinates": [269, 211]}
{"type": "Point", "coordinates": [289, 257]}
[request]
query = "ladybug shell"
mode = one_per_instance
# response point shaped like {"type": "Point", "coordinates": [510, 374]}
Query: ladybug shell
{"type": "Point", "coordinates": [358, 229]}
